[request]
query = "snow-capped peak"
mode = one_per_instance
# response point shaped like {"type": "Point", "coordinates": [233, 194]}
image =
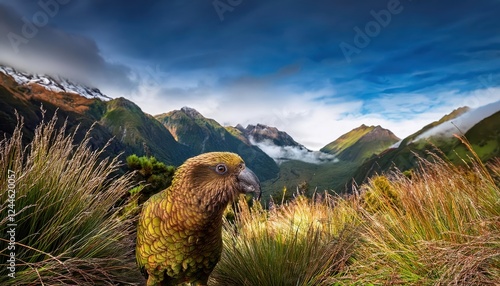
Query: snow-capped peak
{"type": "Point", "coordinates": [55, 84]}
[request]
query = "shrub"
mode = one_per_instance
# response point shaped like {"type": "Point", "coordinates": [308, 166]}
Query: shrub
{"type": "Point", "coordinates": [152, 175]}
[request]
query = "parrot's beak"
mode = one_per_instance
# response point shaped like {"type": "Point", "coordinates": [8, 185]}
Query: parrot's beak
{"type": "Point", "coordinates": [249, 183]}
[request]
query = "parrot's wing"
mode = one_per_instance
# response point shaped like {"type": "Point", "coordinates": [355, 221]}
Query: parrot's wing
{"type": "Point", "coordinates": [150, 250]}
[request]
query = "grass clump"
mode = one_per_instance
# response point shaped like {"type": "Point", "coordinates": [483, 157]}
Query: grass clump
{"type": "Point", "coordinates": [304, 242]}
{"type": "Point", "coordinates": [67, 229]}
{"type": "Point", "coordinates": [441, 227]}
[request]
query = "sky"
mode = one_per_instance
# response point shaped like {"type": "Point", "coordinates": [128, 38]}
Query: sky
{"type": "Point", "coordinates": [315, 69]}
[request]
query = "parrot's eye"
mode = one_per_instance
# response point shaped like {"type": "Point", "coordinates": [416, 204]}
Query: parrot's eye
{"type": "Point", "coordinates": [221, 169]}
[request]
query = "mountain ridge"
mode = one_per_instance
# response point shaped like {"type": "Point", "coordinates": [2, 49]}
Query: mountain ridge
{"type": "Point", "coordinates": [278, 144]}
{"type": "Point", "coordinates": [53, 83]}
{"type": "Point", "coordinates": [361, 143]}
{"type": "Point", "coordinates": [261, 132]}
{"type": "Point", "coordinates": [177, 135]}
{"type": "Point", "coordinates": [484, 137]}
{"type": "Point", "coordinates": [117, 121]}
{"type": "Point", "coordinates": [202, 134]}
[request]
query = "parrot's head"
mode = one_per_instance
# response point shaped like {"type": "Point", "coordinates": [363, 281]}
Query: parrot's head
{"type": "Point", "coordinates": [219, 177]}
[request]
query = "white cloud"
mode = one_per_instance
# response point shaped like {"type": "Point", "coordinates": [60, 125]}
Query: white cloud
{"type": "Point", "coordinates": [462, 123]}
{"type": "Point", "coordinates": [311, 122]}
{"type": "Point", "coordinates": [285, 153]}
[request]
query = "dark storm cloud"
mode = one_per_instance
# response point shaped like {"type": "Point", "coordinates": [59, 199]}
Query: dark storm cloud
{"type": "Point", "coordinates": [32, 42]}
{"type": "Point", "coordinates": [425, 45]}
{"type": "Point", "coordinates": [278, 62]}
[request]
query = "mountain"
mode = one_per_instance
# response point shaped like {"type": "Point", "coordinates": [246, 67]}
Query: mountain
{"type": "Point", "coordinates": [261, 133]}
{"type": "Point", "coordinates": [119, 121]}
{"type": "Point", "coordinates": [175, 136]}
{"type": "Point", "coordinates": [361, 143]}
{"type": "Point", "coordinates": [427, 129]}
{"type": "Point", "coordinates": [27, 100]}
{"type": "Point", "coordinates": [348, 152]}
{"type": "Point", "coordinates": [201, 134]}
{"type": "Point", "coordinates": [461, 122]}
{"type": "Point", "coordinates": [481, 127]}
{"type": "Point", "coordinates": [53, 83]}
{"type": "Point", "coordinates": [278, 144]}
{"type": "Point", "coordinates": [142, 133]}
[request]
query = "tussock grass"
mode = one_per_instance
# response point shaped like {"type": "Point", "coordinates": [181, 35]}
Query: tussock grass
{"type": "Point", "coordinates": [439, 226]}
{"type": "Point", "coordinates": [305, 242]}
{"type": "Point", "coordinates": [67, 231]}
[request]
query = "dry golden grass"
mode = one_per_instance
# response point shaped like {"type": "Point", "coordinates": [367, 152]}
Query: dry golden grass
{"type": "Point", "coordinates": [441, 227]}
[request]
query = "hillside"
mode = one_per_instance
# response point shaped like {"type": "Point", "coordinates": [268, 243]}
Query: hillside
{"type": "Point", "coordinates": [361, 143]}
{"type": "Point", "coordinates": [454, 114]}
{"type": "Point", "coordinates": [310, 178]}
{"type": "Point", "coordinates": [201, 134]}
{"type": "Point", "coordinates": [484, 137]}
{"type": "Point", "coordinates": [27, 101]}
{"type": "Point", "coordinates": [119, 121]}
{"type": "Point", "coordinates": [142, 133]}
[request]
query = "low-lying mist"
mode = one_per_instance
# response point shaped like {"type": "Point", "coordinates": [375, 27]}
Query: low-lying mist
{"type": "Point", "coordinates": [462, 123]}
{"type": "Point", "coordinates": [282, 154]}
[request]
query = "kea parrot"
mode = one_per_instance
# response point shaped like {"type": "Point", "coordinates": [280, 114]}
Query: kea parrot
{"type": "Point", "coordinates": [179, 233]}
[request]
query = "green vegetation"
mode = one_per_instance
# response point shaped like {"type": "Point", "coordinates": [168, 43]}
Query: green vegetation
{"type": "Point", "coordinates": [67, 230]}
{"type": "Point", "coordinates": [347, 140]}
{"type": "Point", "coordinates": [441, 227]}
{"type": "Point", "coordinates": [141, 133]}
{"type": "Point", "coordinates": [361, 143]}
{"type": "Point", "coordinates": [319, 177]}
{"type": "Point", "coordinates": [484, 140]}
{"type": "Point", "coordinates": [151, 177]}
{"type": "Point", "coordinates": [300, 243]}
{"type": "Point", "coordinates": [454, 114]}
